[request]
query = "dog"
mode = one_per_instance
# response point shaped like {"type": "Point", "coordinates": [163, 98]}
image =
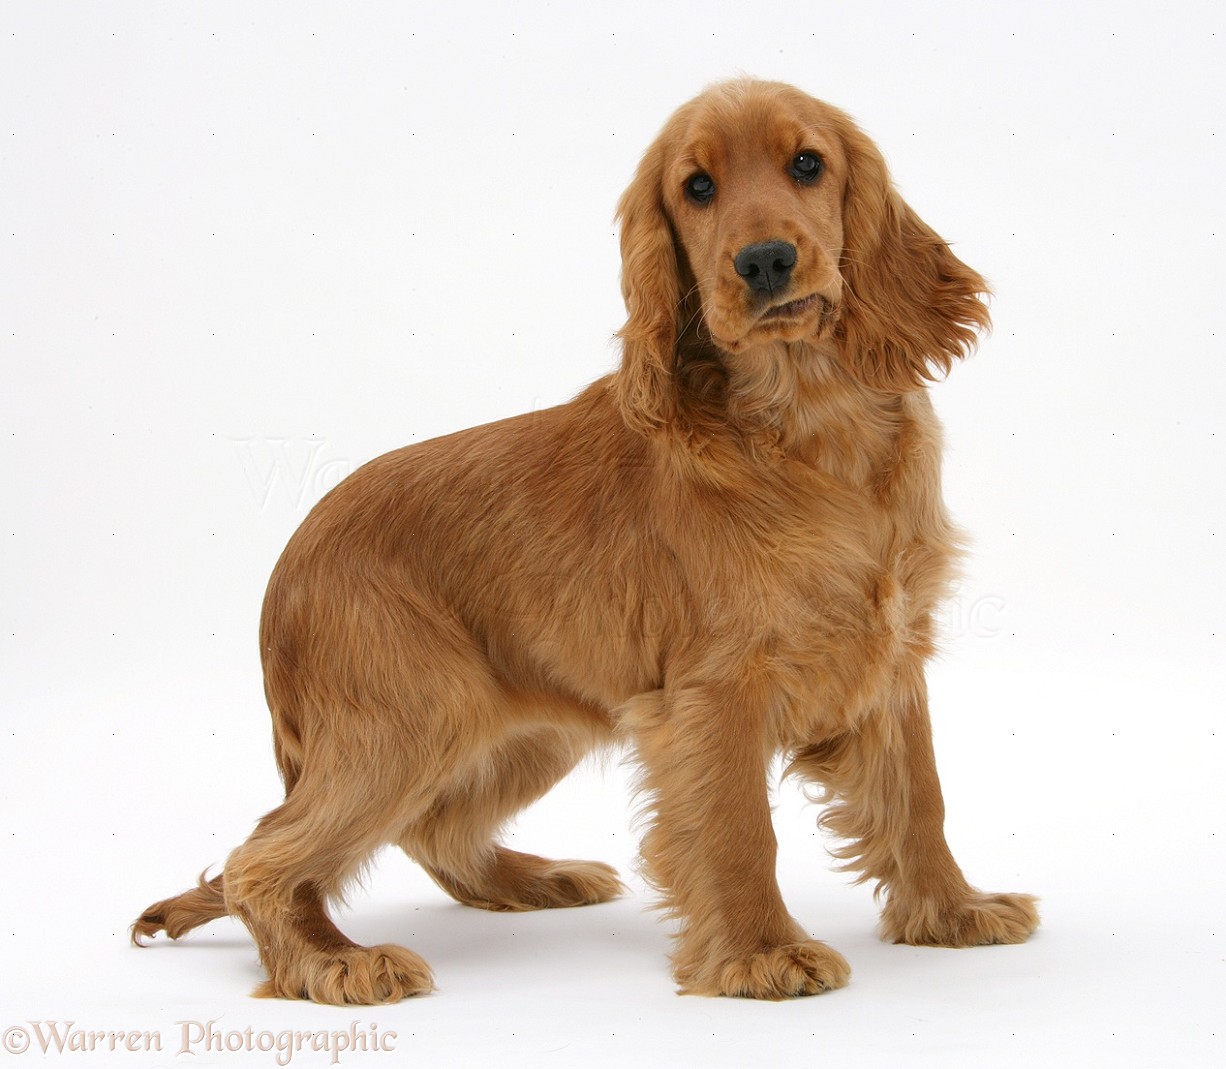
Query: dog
{"type": "Point", "coordinates": [730, 548]}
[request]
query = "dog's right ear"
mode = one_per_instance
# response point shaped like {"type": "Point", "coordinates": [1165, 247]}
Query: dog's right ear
{"type": "Point", "coordinates": [646, 386]}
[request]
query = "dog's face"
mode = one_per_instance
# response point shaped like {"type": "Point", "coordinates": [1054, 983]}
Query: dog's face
{"type": "Point", "coordinates": [754, 185]}
{"type": "Point", "coordinates": [761, 216]}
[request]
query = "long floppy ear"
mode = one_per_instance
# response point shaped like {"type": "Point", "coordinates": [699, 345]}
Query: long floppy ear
{"type": "Point", "coordinates": [910, 307]}
{"type": "Point", "coordinates": [645, 385]}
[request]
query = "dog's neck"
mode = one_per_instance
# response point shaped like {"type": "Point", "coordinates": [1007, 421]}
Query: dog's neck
{"type": "Point", "coordinates": [798, 400]}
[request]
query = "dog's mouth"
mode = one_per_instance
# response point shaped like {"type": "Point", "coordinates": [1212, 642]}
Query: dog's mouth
{"type": "Point", "coordinates": [802, 318]}
{"type": "Point", "coordinates": [797, 309]}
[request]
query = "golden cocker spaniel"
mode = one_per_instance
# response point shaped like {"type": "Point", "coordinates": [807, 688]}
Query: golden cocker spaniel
{"type": "Point", "coordinates": [731, 547]}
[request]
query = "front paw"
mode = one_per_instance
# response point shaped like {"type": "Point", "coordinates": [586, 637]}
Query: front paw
{"type": "Point", "coordinates": [974, 920]}
{"type": "Point", "coordinates": [347, 975]}
{"type": "Point", "coordinates": [775, 973]}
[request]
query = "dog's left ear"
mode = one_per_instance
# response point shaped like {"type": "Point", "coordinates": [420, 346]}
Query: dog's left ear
{"type": "Point", "coordinates": [910, 306]}
{"type": "Point", "coordinates": [646, 385]}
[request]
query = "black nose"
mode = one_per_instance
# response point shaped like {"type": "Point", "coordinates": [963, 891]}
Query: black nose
{"type": "Point", "coordinates": [766, 266]}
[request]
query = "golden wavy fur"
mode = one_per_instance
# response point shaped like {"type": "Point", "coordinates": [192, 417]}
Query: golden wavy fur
{"type": "Point", "coordinates": [732, 547]}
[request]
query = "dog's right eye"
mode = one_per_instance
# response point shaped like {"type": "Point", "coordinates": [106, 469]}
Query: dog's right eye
{"type": "Point", "coordinates": [700, 188]}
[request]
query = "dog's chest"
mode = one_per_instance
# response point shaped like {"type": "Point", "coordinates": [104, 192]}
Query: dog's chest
{"type": "Point", "coordinates": [844, 626]}
{"type": "Point", "coordinates": [829, 586]}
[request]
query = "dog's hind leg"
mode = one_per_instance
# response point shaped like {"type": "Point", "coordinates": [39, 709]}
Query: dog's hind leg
{"type": "Point", "coordinates": [303, 853]}
{"type": "Point", "coordinates": [456, 840]}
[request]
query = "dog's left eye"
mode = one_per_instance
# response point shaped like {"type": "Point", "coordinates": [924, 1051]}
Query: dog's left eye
{"type": "Point", "coordinates": [806, 166]}
{"type": "Point", "coordinates": [700, 188]}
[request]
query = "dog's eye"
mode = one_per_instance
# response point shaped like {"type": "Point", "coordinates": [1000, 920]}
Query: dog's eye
{"type": "Point", "coordinates": [700, 188]}
{"type": "Point", "coordinates": [806, 166]}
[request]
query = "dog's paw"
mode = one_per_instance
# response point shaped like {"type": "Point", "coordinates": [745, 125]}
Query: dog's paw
{"type": "Point", "coordinates": [525, 882]}
{"type": "Point", "coordinates": [517, 882]}
{"type": "Point", "coordinates": [576, 883]}
{"type": "Point", "coordinates": [975, 920]}
{"type": "Point", "coordinates": [789, 971]}
{"type": "Point", "coordinates": [343, 976]}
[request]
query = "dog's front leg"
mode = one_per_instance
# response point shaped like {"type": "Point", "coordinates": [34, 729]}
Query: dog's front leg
{"type": "Point", "coordinates": [890, 815]}
{"type": "Point", "coordinates": [711, 849]}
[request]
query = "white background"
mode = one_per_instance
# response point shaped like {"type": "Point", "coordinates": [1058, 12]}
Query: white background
{"type": "Point", "coordinates": [246, 246]}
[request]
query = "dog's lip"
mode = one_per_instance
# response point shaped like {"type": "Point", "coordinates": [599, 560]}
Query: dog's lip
{"type": "Point", "coordinates": [793, 309]}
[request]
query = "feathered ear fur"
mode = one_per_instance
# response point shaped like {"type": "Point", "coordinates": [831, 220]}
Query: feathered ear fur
{"type": "Point", "coordinates": [910, 306]}
{"type": "Point", "coordinates": [645, 385]}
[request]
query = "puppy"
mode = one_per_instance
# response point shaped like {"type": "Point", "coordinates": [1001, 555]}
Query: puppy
{"type": "Point", "coordinates": [731, 547]}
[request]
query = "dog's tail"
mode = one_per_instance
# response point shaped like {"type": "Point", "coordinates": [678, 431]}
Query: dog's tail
{"type": "Point", "coordinates": [176, 916]}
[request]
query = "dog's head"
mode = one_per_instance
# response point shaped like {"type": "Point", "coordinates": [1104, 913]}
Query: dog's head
{"type": "Point", "coordinates": [759, 216]}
